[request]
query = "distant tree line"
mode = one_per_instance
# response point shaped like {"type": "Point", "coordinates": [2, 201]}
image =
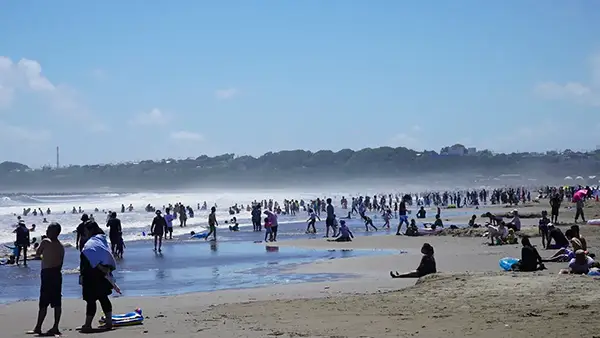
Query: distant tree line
{"type": "Point", "coordinates": [301, 165]}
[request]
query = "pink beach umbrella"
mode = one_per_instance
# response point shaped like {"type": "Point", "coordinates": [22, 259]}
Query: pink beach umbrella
{"type": "Point", "coordinates": [579, 195]}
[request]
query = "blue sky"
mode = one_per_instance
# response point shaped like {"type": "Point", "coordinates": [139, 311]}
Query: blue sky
{"type": "Point", "coordinates": [115, 80]}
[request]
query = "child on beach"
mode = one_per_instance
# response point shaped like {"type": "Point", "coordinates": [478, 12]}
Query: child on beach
{"type": "Point", "coordinates": [368, 221]}
{"type": "Point", "coordinates": [52, 253]}
{"type": "Point", "coordinates": [268, 230]}
{"type": "Point", "coordinates": [543, 227]}
{"type": "Point", "coordinates": [312, 219]}
{"type": "Point", "coordinates": [426, 267]}
{"type": "Point", "coordinates": [387, 216]}
{"type": "Point", "coordinates": [412, 229]}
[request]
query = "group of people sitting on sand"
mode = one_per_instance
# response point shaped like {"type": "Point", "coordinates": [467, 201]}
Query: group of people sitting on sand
{"type": "Point", "coordinates": [572, 248]}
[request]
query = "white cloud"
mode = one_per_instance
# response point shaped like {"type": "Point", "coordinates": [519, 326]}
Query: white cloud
{"type": "Point", "coordinates": [183, 135]}
{"type": "Point", "coordinates": [155, 117]}
{"type": "Point", "coordinates": [16, 134]}
{"type": "Point", "coordinates": [25, 76]}
{"type": "Point", "coordinates": [581, 93]}
{"type": "Point", "coordinates": [225, 94]}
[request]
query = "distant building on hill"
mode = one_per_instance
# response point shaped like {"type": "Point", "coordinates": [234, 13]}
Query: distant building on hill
{"type": "Point", "coordinates": [472, 151]}
{"type": "Point", "coordinates": [455, 150]}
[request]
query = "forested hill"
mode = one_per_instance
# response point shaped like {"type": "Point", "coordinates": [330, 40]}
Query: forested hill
{"type": "Point", "coordinates": [303, 166]}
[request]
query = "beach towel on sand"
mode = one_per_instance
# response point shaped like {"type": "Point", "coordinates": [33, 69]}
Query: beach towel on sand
{"type": "Point", "coordinates": [97, 251]}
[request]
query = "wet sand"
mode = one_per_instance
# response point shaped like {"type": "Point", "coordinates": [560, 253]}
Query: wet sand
{"type": "Point", "coordinates": [468, 297]}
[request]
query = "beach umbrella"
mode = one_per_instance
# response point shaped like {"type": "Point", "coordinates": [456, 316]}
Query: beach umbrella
{"type": "Point", "coordinates": [592, 177]}
{"type": "Point", "coordinates": [578, 178]}
{"type": "Point", "coordinates": [568, 178]}
{"type": "Point", "coordinates": [579, 195]}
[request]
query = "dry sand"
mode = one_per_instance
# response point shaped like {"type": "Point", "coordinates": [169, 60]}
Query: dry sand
{"type": "Point", "coordinates": [468, 298]}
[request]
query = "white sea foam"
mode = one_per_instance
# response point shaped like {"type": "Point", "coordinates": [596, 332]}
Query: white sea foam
{"type": "Point", "coordinates": [138, 221]}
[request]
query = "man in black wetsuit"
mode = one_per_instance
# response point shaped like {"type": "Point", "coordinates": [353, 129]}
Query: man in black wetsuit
{"type": "Point", "coordinates": [115, 231]}
{"type": "Point", "coordinates": [330, 220]}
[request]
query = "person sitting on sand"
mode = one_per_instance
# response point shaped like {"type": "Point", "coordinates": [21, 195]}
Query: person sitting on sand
{"type": "Point", "coordinates": [412, 229]}
{"type": "Point", "coordinates": [426, 267]}
{"type": "Point", "coordinates": [580, 264]}
{"type": "Point", "coordinates": [345, 234]}
{"type": "Point", "coordinates": [422, 213]}
{"type": "Point", "coordinates": [577, 235]}
{"type": "Point", "coordinates": [515, 223]}
{"type": "Point", "coordinates": [566, 254]}
{"type": "Point", "coordinates": [472, 223]}
{"type": "Point", "coordinates": [543, 227]}
{"type": "Point", "coordinates": [437, 223]}
{"type": "Point", "coordinates": [530, 257]}
{"type": "Point", "coordinates": [511, 238]}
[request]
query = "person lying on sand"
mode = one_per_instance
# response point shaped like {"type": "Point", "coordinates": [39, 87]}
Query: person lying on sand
{"type": "Point", "coordinates": [345, 234]}
{"type": "Point", "coordinates": [426, 267]}
{"type": "Point", "coordinates": [580, 265]}
{"type": "Point", "coordinates": [530, 257]}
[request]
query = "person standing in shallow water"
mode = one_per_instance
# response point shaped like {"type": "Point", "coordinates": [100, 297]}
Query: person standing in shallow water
{"type": "Point", "coordinates": [115, 231]}
{"type": "Point", "coordinates": [330, 220]}
{"type": "Point", "coordinates": [52, 253]}
{"type": "Point", "coordinates": [212, 224]}
{"type": "Point", "coordinates": [158, 229]}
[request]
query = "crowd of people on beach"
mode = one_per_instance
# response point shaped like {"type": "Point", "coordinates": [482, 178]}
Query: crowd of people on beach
{"type": "Point", "coordinates": [99, 252]}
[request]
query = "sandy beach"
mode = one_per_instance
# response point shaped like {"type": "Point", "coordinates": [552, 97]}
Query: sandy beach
{"type": "Point", "coordinates": [469, 297]}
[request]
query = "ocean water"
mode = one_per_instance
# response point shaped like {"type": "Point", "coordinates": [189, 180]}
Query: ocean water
{"type": "Point", "coordinates": [186, 264]}
{"type": "Point", "coordinates": [185, 267]}
{"type": "Point", "coordinates": [138, 221]}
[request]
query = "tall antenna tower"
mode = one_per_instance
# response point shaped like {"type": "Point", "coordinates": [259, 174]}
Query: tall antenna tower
{"type": "Point", "coordinates": [57, 158]}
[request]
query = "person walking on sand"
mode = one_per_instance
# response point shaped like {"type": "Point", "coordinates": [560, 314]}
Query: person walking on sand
{"type": "Point", "coordinates": [157, 229]}
{"type": "Point", "coordinates": [212, 224]}
{"type": "Point", "coordinates": [52, 253]}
